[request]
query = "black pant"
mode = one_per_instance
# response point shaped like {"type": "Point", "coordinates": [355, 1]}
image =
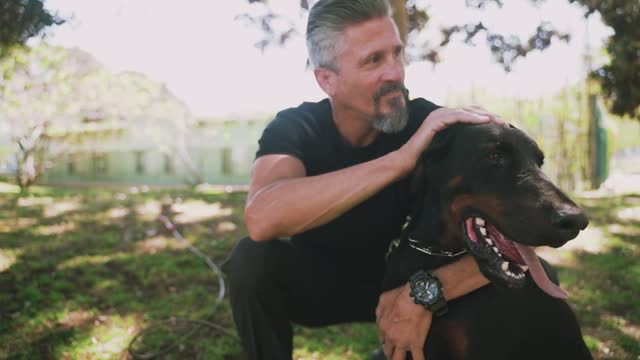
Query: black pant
{"type": "Point", "coordinates": [274, 283]}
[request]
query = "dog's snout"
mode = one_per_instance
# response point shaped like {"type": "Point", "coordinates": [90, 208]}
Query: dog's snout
{"type": "Point", "coordinates": [570, 219]}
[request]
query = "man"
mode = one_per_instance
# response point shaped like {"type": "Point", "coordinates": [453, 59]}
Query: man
{"type": "Point", "coordinates": [329, 176]}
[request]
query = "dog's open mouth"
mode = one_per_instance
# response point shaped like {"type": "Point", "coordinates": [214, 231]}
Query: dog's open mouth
{"type": "Point", "coordinates": [504, 260]}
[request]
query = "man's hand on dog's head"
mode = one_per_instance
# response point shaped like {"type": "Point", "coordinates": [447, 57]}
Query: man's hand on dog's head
{"type": "Point", "coordinates": [402, 325]}
{"type": "Point", "coordinates": [440, 119]}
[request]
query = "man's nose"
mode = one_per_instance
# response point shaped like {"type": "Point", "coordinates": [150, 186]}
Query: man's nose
{"type": "Point", "coordinates": [394, 70]}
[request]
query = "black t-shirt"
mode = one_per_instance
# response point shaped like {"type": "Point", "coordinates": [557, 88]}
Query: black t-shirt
{"type": "Point", "coordinates": [308, 133]}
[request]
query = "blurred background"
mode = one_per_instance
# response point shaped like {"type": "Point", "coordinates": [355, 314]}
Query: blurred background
{"type": "Point", "coordinates": [115, 112]}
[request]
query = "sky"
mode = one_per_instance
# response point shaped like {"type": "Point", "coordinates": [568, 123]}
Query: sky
{"type": "Point", "coordinates": [208, 59]}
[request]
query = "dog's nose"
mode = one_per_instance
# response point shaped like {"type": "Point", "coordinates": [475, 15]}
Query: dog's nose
{"type": "Point", "coordinates": [570, 219]}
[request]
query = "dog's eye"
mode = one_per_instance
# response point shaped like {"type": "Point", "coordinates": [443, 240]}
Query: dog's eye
{"type": "Point", "coordinates": [496, 158]}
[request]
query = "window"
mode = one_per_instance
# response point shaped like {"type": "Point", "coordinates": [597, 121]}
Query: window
{"type": "Point", "coordinates": [227, 161]}
{"type": "Point", "coordinates": [140, 168]}
{"type": "Point", "coordinates": [71, 164]}
{"type": "Point", "coordinates": [168, 164]}
{"type": "Point", "coordinates": [100, 163]}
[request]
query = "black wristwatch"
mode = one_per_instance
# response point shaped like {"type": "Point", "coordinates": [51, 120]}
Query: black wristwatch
{"type": "Point", "coordinates": [426, 290]}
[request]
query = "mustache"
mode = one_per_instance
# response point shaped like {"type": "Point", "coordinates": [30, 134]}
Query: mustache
{"type": "Point", "coordinates": [389, 88]}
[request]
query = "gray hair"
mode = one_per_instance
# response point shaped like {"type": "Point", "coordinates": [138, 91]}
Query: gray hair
{"type": "Point", "coordinates": [327, 20]}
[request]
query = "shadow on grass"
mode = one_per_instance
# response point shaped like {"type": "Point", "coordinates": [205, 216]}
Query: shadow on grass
{"type": "Point", "coordinates": [93, 270]}
{"type": "Point", "coordinates": [84, 291]}
{"type": "Point", "coordinates": [605, 285]}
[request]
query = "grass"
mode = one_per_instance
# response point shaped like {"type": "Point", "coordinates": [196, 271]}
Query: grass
{"type": "Point", "coordinates": [83, 271]}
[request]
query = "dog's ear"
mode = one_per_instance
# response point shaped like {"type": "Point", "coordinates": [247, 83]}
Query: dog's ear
{"type": "Point", "coordinates": [417, 189]}
{"type": "Point", "coordinates": [419, 182]}
{"type": "Point", "coordinates": [440, 144]}
{"type": "Point", "coordinates": [436, 150]}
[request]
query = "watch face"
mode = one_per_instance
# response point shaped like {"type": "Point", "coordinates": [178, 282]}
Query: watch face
{"type": "Point", "coordinates": [426, 291]}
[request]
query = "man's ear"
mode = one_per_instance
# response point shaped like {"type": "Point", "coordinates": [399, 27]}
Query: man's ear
{"type": "Point", "coordinates": [327, 79]}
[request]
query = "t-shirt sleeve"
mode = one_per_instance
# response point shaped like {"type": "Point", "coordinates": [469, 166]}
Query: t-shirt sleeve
{"type": "Point", "coordinates": [285, 135]}
{"type": "Point", "coordinates": [421, 108]}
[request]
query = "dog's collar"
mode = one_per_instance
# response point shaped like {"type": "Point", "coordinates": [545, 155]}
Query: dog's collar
{"type": "Point", "coordinates": [415, 244]}
{"type": "Point", "coordinates": [431, 251]}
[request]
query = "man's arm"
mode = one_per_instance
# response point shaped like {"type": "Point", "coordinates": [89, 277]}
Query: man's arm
{"type": "Point", "coordinates": [459, 278]}
{"type": "Point", "coordinates": [283, 201]}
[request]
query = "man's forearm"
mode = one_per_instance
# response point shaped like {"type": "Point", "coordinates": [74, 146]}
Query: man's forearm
{"type": "Point", "coordinates": [291, 206]}
{"type": "Point", "coordinates": [460, 278]}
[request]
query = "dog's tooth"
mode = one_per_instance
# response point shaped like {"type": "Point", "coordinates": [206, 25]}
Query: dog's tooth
{"type": "Point", "coordinates": [483, 231]}
{"type": "Point", "coordinates": [524, 267]}
{"type": "Point", "coordinates": [489, 241]}
{"type": "Point", "coordinates": [496, 250]}
{"type": "Point", "coordinates": [505, 266]}
{"type": "Point", "coordinates": [479, 221]}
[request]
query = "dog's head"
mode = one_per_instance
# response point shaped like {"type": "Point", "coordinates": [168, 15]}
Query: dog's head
{"type": "Point", "coordinates": [482, 187]}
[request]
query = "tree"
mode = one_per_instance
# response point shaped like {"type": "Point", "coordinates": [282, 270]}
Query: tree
{"type": "Point", "coordinates": [23, 19]}
{"type": "Point", "coordinates": [35, 93]}
{"type": "Point", "coordinates": [48, 95]}
{"type": "Point", "coordinates": [620, 79]}
{"type": "Point", "coordinates": [145, 106]}
{"type": "Point", "coordinates": [412, 17]}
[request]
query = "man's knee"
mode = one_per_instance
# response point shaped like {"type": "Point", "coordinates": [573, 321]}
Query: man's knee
{"type": "Point", "coordinates": [252, 266]}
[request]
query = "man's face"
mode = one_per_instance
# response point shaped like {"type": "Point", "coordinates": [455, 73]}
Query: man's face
{"type": "Point", "coordinates": [370, 79]}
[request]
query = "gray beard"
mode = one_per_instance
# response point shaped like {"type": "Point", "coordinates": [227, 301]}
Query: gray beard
{"type": "Point", "coordinates": [394, 121]}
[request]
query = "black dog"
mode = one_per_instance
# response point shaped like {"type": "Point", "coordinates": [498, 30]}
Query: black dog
{"type": "Point", "coordinates": [480, 188]}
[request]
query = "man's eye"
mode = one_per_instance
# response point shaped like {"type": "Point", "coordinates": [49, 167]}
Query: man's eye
{"type": "Point", "coordinates": [374, 59]}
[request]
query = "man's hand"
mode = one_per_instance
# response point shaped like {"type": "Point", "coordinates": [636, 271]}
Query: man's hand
{"type": "Point", "coordinates": [438, 120]}
{"type": "Point", "coordinates": [402, 325]}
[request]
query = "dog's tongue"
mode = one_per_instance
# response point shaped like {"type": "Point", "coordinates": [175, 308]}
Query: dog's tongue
{"type": "Point", "coordinates": [538, 273]}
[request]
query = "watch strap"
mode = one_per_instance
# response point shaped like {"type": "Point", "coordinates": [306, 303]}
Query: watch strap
{"type": "Point", "coordinates": [439, 306]}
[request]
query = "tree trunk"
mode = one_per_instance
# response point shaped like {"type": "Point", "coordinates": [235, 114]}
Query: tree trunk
{"type": "Point", "coordinates": [32, 147]}
{"type": "Point", "coordinates": [26, 172]}
{"type": "Point", "coordinates": [401, 18]}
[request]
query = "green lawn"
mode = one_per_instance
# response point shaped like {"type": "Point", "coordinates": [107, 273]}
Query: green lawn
{"type": "Point", "coordinates": [82, 271]}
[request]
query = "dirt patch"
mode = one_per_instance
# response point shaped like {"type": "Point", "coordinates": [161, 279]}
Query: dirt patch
{"type": "Point", "coordinates": [56, 229]}
{"type": "Point", "coordinates": [77, 319]}
{"type": "Point", "coordinates": [159, 243]}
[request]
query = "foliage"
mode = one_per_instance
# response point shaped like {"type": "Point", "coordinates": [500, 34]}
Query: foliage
{"type": "Point", "coordinates": [23, 19]}
{"type": "Point", "coordinates": [51, 95]}
{"type": "Point", "coordinates": [505, 48]}
{"type": "Point", "coordinates": [96, 287]}
{"type": "Point", "coordinates": [37, 91]}
{"type": "Point", "coordinates": [146, 107]}
{"type": "Point", "coordinates": [620, 78]}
